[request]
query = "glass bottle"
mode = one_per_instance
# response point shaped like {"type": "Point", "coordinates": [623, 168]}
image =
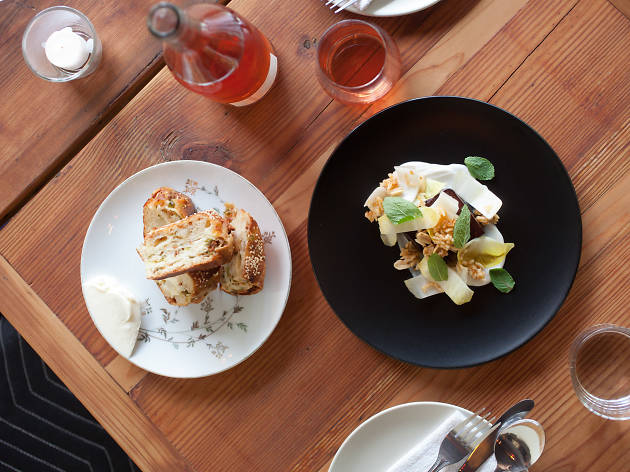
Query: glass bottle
{"type": "Point", "coordinates": [214, 51]}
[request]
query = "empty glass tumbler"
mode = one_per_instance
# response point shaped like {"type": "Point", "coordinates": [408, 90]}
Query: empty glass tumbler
{"type": "Point", "coordinates": [600, 370]}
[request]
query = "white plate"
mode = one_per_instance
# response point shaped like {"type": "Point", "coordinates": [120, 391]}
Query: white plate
{"type": "Point", "coordinates": [196, 340]}
{"type": "Point", "coordinates": [387, 436]}
{"type": "Point", "coordinates": [392, 7]}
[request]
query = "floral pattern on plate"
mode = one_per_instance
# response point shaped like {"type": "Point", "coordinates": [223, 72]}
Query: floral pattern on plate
{"type": "Point", "coordinates": [198, 332]}
{"type": "Point", "coordinates": [198, 339]}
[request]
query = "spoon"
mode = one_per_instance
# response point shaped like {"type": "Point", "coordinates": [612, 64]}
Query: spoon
{"type": "Point", "coordinates": [519, 446]}
{"type": "Point", "coordinates": [486, 448]}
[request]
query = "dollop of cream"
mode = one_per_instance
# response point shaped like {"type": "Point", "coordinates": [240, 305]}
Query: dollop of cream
{"type": "Point", "coordinates": [115, 312]}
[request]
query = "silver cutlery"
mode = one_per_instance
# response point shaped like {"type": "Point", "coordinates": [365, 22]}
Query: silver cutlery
{"type": "Point", "coordinates": [486, 447]}
{"type": "Point", "coordinates": [340, 4]}
{"type": "Point", "coordinates": [462, 439]}
{"type": "Point", "coordinates": [519, 446]}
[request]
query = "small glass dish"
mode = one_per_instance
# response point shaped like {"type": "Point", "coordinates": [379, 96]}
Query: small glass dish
{"type": "Point", "coordinates": [357, 62]}
{"type": "Point", "coordinates": [39, 30]}
{"type": "Point", "coordinates": [600, 370]}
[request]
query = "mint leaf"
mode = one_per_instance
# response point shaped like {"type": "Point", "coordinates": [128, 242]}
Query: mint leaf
{"type": "Point", "coordinates": [399, 210]}
{"type": "Point", "coordinates": [461, 231]}
{"type": "Point", "coordinates": [479, 167]}
{"type": "Point", "coordinates": [437, 267]}
{"type": "Point", "coordinates": [502, 280]}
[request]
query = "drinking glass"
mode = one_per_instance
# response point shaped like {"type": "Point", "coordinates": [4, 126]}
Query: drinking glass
{"type": "Point", "coordinates": [600, 370]}
{"type": "Point", "coordinates": [357, 62]}
{"type": "Point", "coordinates": [39, 30]}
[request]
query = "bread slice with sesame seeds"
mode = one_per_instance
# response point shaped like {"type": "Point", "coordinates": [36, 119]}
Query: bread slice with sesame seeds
{"type": "Point", "coordinates": [165, 206]}
{"type": "Point", "coordinates": [245, 273]}
{"type": "Point", "coordinates": [198, 242]}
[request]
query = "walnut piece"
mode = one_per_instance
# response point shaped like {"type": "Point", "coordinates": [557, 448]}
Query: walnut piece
{"type": "Point", "coordinates": [483, 221]}
{"type": "Point", "coordinates": [410, 257]}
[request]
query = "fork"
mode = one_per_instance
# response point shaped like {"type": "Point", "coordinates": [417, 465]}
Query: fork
{"type": "Point", "coordinates": [342, 4]}
{"type": "Point", "coordinates": [463, 438]}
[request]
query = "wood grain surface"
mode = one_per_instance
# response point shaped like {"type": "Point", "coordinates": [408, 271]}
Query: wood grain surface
{"type": "Point", "coordinates": [623, 6]}
{"type": "Point", "coordinates": [181, 124]}
{"type": "Point", "coordinates": [42, 123]}
{"type": "Point", "coordinates": [561, 66]}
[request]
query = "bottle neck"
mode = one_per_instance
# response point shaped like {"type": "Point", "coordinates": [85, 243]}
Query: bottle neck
{"type": "Point", "coordinates": [167, 22]}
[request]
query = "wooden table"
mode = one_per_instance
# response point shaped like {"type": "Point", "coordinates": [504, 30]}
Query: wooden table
{"type": "Point", "coordinates": [563, 66]}
{"type": "Point", "coordinates": [43, 125]}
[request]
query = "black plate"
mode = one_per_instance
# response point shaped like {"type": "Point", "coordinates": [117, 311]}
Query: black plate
{"type": "Point", "coordinates": [540, 214]}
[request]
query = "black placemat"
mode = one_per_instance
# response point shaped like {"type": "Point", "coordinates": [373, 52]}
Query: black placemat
{"type": "Point", "coordinates": [43, 427]}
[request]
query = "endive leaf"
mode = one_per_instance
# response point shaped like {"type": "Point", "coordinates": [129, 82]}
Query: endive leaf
{"type": "Point", "coordinates": [486, 251]}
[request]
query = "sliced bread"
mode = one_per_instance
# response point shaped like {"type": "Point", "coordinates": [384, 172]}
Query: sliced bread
{"type": "Point", "coordinates": [191, 287]}
{"type": "Point", "coordinates": [197, 242]}
{"type": "Point", "coordinates": [245, 273]}
{"type": "Point", "coordinates": [165, 206]}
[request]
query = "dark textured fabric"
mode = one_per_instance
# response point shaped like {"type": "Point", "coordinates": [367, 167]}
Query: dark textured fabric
{"type": "Point", "coordinates": [43, 427]}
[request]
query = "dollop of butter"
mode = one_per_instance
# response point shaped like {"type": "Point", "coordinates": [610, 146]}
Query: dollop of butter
{"type": "Point", "coordinates": [115, 312]}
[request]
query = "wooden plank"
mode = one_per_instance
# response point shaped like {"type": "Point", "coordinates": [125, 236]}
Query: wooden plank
{"type": "Point", "coordinates": [127, 375]}
{"type": "Point", "coordinates": [483, 20]}
{"type": "Point", "coordinates": [602, 222]}
{"type": "Point", "coordinates": [571, 94]}
{"type": "Point", "coordinates": [293, 375]}
{"type": "Point", "coordinates": [559, 409]}
{"type": "Point", "coordinates": [453, 51]}
{"type": "Point", "coordinates": [165, 121]}
{"type": "Point", "coordinates": [492, 66]}
{"type": "Point", "coordinates": [611, 205]}
{"type": "Point", "coordinates": [527, 30]}
{"type": "Point", "coordinates": [91, 384]}
{"type": "Point", "coordinates": [280, 410]}
{"type": "Point", "coordinates": [623, 6]}
{"type": "Point", "coordinates": [493, 61]}
{"type": "Point", "coordinates": [45, 123]}
{"type": "Point", "coordinates": [320, 416]}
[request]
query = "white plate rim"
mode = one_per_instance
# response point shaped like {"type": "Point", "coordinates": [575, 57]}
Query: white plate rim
{"type": "Point", "coordinates": [369, 12]}
{"type": "Point", "coordinates": [385, 412]}
{"type": "Point", "coordinates": [264, 198]}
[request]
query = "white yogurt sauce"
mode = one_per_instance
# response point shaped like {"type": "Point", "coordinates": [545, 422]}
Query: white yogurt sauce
{"type": "Point", "coordinates": [115, 312]}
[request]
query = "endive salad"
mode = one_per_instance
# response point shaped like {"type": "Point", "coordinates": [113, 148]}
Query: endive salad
{"type": "Point", "coordinates": [444, 223]}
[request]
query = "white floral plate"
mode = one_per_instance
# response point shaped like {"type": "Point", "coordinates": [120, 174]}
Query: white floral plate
{"type": "Point", "coordinates": [196, 340]}
{"type": "Point", "coordinates": [381, 440]}
{"type": "Point", "coordinates": [392, 7]}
